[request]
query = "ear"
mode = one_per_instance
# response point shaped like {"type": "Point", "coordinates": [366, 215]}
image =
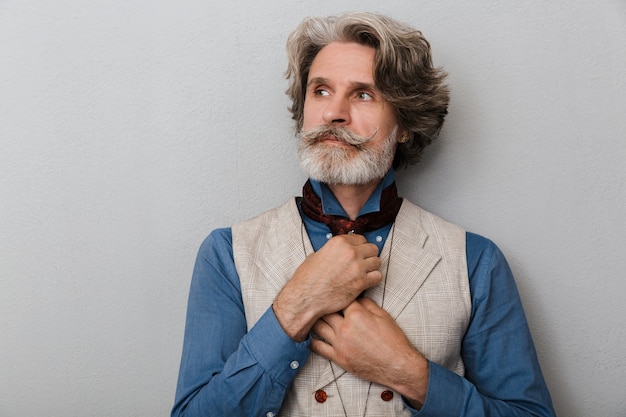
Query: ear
{"type": "Point", "coordinates": [403, 136]}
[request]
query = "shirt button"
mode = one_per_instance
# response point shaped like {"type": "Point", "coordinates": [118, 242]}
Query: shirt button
{"type": "Point", "coordinates": [386, 395]}
{"type": "Point", "coordinates": [329, 235]}
{"type": "Point", "coordinates": [294, 365]}
{"type": "Point", "coordinates": [269, 414]}
{"type": "Point", "coordinates": [320, 396]}
{"type": "Point", "coordinates": [379, 239]}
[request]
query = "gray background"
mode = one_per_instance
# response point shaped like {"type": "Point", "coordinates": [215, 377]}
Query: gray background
{"type": "Point", "coordinates": [129, 130]}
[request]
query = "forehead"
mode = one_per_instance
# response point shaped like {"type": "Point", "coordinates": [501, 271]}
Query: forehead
{"type": "Point", "coordinates": [345, 61]}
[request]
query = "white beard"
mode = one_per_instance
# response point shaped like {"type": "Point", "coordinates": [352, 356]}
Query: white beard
{"type": "Point", "coordinates": [360, 165]}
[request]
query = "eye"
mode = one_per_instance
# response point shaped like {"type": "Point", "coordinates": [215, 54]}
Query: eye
{"type": "Point", "coordinates": [320, 92]}
{"type": "Point", "coordinates": [364, 96]}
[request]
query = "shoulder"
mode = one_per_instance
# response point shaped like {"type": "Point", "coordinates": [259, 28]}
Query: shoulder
{"type": "Point", "coordinates": [489, 272]}
{"type": "Point", "coordinates": [427, 219]}
{"type": "Point", "coordinates": [433, 231]}
{"type": "Point", "coordinates": [277, 220]}
{"type": "Point", "coordinates": [217, 238]}
{"type": "Point", "coordinates": [482, 254]}
{"type": "Point", "coordinates": [275, 214]}
{"type": "Point", "coordinates": [216, 248]}
{"type": "Point", "coordinates": [479, 246]}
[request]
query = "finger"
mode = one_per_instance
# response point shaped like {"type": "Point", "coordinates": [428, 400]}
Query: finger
{"type": "Point", "coordinates": [371, 306]}
{"type": "Point", "coordinates": [353, 238]}
{"type": "Point", "coordinates": [368, 303]}
{"type": "Point", "coordinates": [372, 263]}
{"type": "Point", "coordinates": [334, 320]}
{"type": "Point", "coordinates": [323, 329]}
{"type": "Point", "coordinates": [322, 348]}
{"type": "Point", "coordinates": [352, 307]}
{"type": "Point", "coordinates": [368, 250]}
{"type": "Point", "coordinates": [372, 279]}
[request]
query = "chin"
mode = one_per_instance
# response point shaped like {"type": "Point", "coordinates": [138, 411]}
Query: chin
{"type": "Point", "coordinates": [341, 165]}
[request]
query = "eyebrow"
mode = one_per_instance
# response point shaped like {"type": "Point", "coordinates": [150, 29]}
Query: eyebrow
{"type": "Point", "coordinates": [356, 85]}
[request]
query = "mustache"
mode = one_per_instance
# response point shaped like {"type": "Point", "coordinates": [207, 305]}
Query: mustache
{"type": "Point", "coordinates": [320, 133]}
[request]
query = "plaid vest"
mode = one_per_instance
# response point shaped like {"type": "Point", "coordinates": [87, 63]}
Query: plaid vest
{"type": "Point", "coordinates": [427, 294]}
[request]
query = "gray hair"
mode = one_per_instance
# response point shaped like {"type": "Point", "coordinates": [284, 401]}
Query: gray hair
{"type": "Point", "coordinates": [403, 72]}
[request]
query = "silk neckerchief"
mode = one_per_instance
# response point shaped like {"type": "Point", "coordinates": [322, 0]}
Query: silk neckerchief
{"type": "Point", "coordinates": [389, 206]}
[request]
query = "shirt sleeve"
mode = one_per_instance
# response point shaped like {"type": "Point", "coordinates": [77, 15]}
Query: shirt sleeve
{"type": "Point", "coordinates": [226, 370]}
{"type": "Point", "coordinates": [502, 373]}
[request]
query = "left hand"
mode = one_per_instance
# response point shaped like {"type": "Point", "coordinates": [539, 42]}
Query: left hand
{"type": "Point", "coordinates": [367, 342]}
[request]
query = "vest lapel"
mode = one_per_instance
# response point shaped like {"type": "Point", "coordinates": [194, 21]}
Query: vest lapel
{"type": "Point", "coordinates": [410, 263]}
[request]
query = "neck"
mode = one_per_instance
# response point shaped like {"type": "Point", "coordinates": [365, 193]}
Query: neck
{"type": "Point", "coordinates": [353, 197]}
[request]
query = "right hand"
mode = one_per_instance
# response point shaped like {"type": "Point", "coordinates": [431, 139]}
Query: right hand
{"type": "Point", "coordinates": [326, 282]}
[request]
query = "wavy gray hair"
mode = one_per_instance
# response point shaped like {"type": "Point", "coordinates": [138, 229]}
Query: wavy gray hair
{"type": "Point", "coordinates": [403, 72]}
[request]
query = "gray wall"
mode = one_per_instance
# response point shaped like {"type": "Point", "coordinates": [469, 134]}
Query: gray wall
{"type": "Point", "coordinates": [129, 131]}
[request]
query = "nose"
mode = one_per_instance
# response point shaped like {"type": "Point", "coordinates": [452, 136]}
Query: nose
{"type": "Point", "coordinates": [337, 111]}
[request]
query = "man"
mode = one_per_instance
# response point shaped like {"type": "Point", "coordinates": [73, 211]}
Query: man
{"type": "Point", "coordinates": [305, 311]}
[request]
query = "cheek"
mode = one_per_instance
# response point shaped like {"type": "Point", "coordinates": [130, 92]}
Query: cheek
{"type": "Point", "coordinates": [310, 116]}
{"type": "Point", "coordinates": [388, 125]}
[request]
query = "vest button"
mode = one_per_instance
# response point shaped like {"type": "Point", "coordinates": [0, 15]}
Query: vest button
{"type": "Point", "coordinates": [320, 396]}
{"type": "Point", "coordinates": [386, 395]}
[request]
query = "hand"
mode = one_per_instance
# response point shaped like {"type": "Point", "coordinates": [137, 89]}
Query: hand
{"type": "Point", "coordinates": [326, 282]}
{"type": "Point", "coordinates": [367, 342]}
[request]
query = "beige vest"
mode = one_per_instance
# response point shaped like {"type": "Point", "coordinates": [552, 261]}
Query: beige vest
{"type": "Point", "coordinates": [427, 294]}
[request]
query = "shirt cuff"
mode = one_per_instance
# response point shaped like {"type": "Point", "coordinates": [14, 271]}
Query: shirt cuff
{"type": "Point", "coordinates": [445, 393]}
{"type": "Point", "coordinates": [277, 353]}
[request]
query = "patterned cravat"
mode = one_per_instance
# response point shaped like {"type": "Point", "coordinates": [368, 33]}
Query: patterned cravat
{"type": "Point", "coordinates": [389, 206]}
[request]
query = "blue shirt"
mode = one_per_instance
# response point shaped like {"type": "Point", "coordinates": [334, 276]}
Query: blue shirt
{"type": "Point", "coordinates": [226, 370]}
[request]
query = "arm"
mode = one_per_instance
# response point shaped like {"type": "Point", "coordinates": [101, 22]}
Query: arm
{"type": "Point", "coordinates": [502, 373]}
{"type": "Point", "coordinates": [326, 282]}
{"type": "Point", "coordinates": [224, 369]}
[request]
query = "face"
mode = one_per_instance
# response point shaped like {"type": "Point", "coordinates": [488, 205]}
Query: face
{"type": "Point", "coordinates": [349, 131]}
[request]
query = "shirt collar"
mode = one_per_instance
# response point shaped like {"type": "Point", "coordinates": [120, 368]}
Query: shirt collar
{"type": "Point", "coordinates": [331, 206]}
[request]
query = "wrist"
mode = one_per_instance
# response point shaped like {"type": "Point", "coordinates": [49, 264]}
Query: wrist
{"type": "Point", "coordinates": [413, 386]}
{"type": "Point", "coordinates": [295, 320]}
